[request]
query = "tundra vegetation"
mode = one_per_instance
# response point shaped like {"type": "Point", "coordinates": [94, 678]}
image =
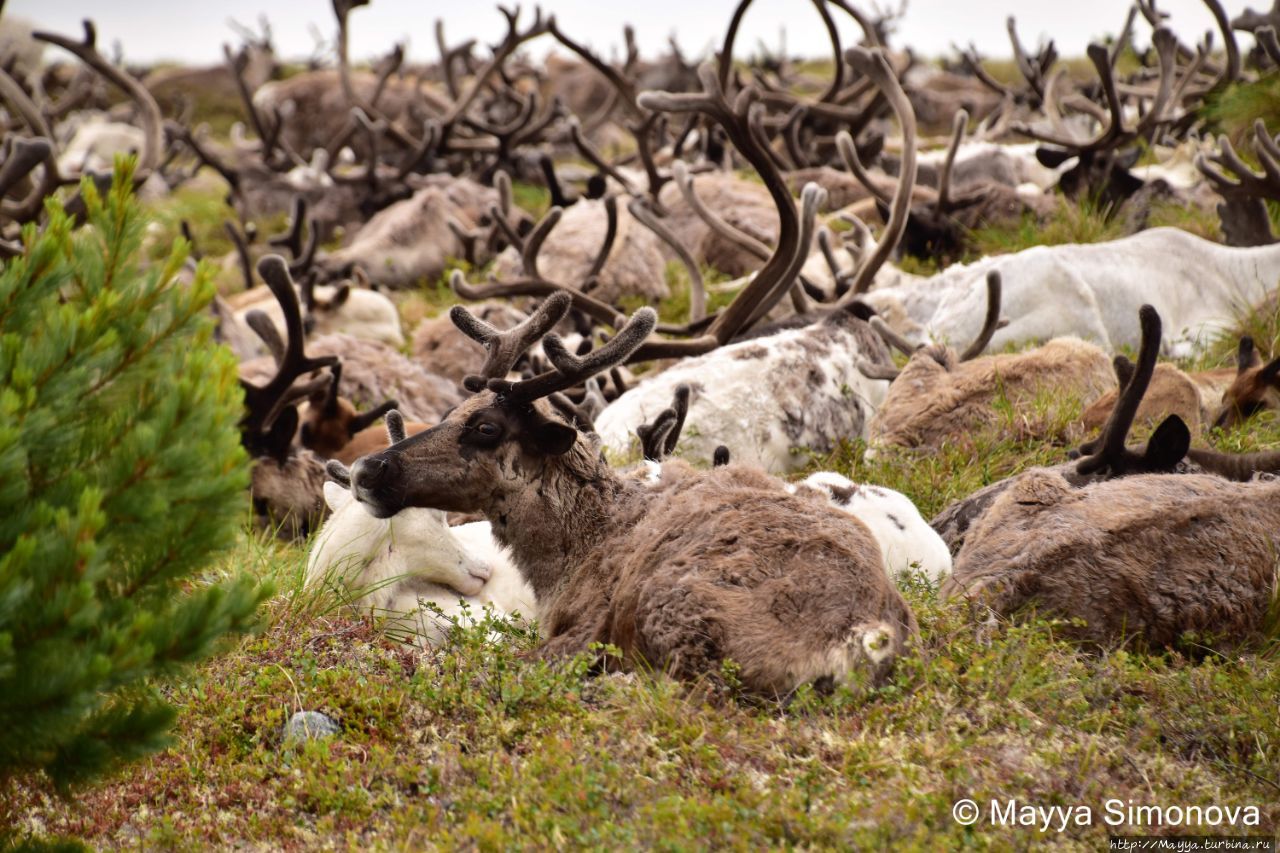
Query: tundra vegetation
{"type": "Point", "coordinates": [863, 316]}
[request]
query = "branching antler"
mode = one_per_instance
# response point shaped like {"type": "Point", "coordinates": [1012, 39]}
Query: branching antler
{"type": "Point", "coordinates": [152, 124]}
{"type": "Point", "coordinates": [264, 404]}
{"type": "Point", "coordinates": [504, 348]}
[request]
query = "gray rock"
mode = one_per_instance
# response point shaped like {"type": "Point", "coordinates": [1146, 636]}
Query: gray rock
{"type": "Point", "coordinates": [309, 725]}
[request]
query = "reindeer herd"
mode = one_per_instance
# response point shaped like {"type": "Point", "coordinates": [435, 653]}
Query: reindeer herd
{"type": "Point", "coordinates": [486, 460]}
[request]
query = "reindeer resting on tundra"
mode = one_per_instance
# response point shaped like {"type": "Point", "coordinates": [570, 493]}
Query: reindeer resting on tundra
{"type": "Point", "coordinates": [699, 568]}
{"type": "Point", "coordinates": [393, 566]}
{"type": "Point", "coordinates": [1123, 540]}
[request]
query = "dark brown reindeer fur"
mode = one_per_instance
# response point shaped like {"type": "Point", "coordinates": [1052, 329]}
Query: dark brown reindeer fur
{"type": "Point", "coordinates": [705, 566]}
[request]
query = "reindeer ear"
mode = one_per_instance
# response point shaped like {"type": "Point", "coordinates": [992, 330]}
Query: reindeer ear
{"type": "Point", "coordinates": [1052, 158]}
{"type": "Point", "coordinates": [340, 297]}
{"type": "Point", "coordinates": [1270, 372]}
{"type": "Point", "coordinates": [1247, 356]}
{"type": "Point", "coordinates": [547, 437]}
{"type": "Point", "coordinates": [1168, 445]}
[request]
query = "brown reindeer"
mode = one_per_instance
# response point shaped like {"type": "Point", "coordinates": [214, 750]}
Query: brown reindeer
{"type": "Point", "coordinates": [1223, 397]}
{"type": "Point", "coordinates": [1125, 549]}
{"type": "Point", "coordinates": [1108, 456]}
{"type": "Point", "coordinates": [941, 395]}
{"type": "Point", "coordinates": [703, 567]}
{"type": "Point", "coordinates": [1256, 386]}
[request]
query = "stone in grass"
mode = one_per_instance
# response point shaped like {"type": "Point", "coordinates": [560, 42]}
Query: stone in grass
{"type": "Point", "coordinates": [309, 725]}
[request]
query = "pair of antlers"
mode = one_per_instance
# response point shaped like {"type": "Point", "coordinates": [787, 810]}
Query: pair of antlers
{"type": "Point", "coordinates": [874, 370]}
{"type": "Point", "coordinates": [504, 348]}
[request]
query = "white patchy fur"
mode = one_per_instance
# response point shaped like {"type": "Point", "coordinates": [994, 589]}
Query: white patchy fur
{"type": "Point", "coordinates": [366, 314]}
{"type": "Point", "coordinates": [1091, 291]}
{"type": "Point", "coordinates": [802, 390]}
{"type": "Point", "coordinates": [397, 565]}
{"type": "Point", "coordinates": [907, 542]}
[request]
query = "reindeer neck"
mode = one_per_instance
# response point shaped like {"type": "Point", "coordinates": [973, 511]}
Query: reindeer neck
{"type": "Point", "coordinates": [558, 516]}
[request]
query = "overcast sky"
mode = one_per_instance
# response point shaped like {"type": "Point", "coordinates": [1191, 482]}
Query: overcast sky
{"type": "Point", "coordinates": [193, 32]}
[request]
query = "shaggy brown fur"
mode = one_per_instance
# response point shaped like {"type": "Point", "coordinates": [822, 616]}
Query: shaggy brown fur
{"type": "Point", "coordinates": [440, 348]}
{"type": "Point", "coordinates": [410, 240]}
{"type": "Point", "coordinates": [288, 497]}
{"type": "Point", "coordinates": [744, 204]}
{"type": "Point", "coordinates": [1194, 397]}
{"type": "Point", "coordinates": [635, 266]}
{"type": "Point", "coordinates": [703, 567]}
{"type": "Point", "coordinates": [938, 397]}
{"type": "Point", "coordinates": [372, 373]}
{"type": "Point", "coordinates": [1149, 556]}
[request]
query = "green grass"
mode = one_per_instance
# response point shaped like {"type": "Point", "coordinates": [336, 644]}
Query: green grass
{"type": "Point", "coordinates": [1234, 110]}
{"type": "Point", "coordinates": [1081, 221]}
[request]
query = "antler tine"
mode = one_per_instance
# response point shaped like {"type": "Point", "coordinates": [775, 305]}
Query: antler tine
{"type": "Point", "coordinates": [267, 331]}
{"type": "Point", "coordinates": [242, 251]}
{"type": "Point", "coordinates": [570, 370]}
{"type": "Point", "coordinates": [1167, 49]}
{"type": "Point", "coordinates": [275, 272]}
{"type": "Point", "coordinates": [292, 239]}
{"type": "Point", "coordinates": [680, 405]}
{"type": "Point", "coordinates": [1126, 33]}
{"type": "Point", "coordinates": [992, 320]}
{"type": "Point", "coordinates": [697, 291]}
{"type": "Point", "coordinates": [24, 156]}
{"type": "Point", "coordinates": [552, 180]}
{"type": "Point", "coordinates": [876, 67]}
{"type": "Point", "coordinates": [684, 182]}
{"type": "Point", "coordinates": [395, 426]}
{"type": "Point", "coordinates": [849, 153]}
{"type": "Point", "coordinates": [533, 243]}
{"type": "Point", "coordinates": [503, 349]}
{"type": "Point", "coordinates": [958, 125]}
{"type": "Point", "coordinates": [876, 370]}
{"type": "Point", "coordinates": [812, 198]}
{"type": "Point", "coordinates": [892, 338]}
{"type": "Point", "coordinates": [1266, 38]}
{"type": "Point", "coordinates": [585, 303]}
{"type": "Point", "coordinates": [152, 122]}
{"type": "Point", "coordinates": [1108, 450]}
{"type": "Point", "coordinates": [1020, 58]}
{"type": "Point", "coordinates": [606, 245]}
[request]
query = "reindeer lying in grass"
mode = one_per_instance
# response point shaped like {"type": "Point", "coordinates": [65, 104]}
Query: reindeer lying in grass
{"type": "Point", "coordinates": [1092, 292]}
{"type": "Point", "coordinates": [682, 575]}
{"type": "Point", "coordinates": [1223, 397]}
{"type": "Point", "coordinates": [405, 568]}
{"type": "Point", "coordinates": [941, 395]}
{"type": "Point", "coordinates": [1121, 543]}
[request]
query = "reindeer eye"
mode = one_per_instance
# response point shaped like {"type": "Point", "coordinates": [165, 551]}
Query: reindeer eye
{"type": "Point", "coordinates": [488, 430]}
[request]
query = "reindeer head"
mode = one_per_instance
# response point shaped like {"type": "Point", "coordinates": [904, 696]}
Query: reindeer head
{"type": "Point", "coordinates": [329, 422]}
{"type": "Point", "coordinates": [1256, 387]}
{"type": "Point", "coordinates": [506, 436]}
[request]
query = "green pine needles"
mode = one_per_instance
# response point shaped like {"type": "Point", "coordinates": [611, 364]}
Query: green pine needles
{"type": "Point", "coordinates": [121, 477]}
